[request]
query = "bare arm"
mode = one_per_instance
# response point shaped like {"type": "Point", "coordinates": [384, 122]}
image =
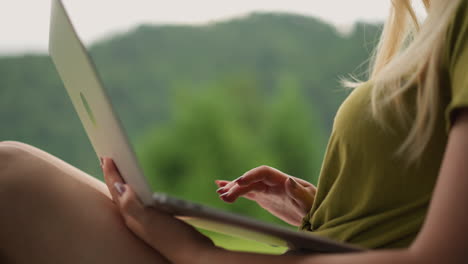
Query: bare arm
{"type": "Point", "coordinates": [444, 235]}
{"type": "Point", "coordinates": [443, 238]}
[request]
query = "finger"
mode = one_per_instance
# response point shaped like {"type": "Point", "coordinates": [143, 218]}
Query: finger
{"type": "Point", "coordinates": [268, 175]}
{"type": "Point", "coordinates": [302, 182]}
{"type": "Point", "coordinates": [111, 177]}
{"type": "Point", "coordinates": [265, 174]}
{"type": "Point", "coordinates": [238, 191]}
{"type": "Point", "coordinates": [109, 166]}
{"type": "Point", "coordinates": [300, 194]}
{"type": "Point", "coordinates": [151, 224]}
{"type": "Point", "coordinates": [129, 204]}
{"type": "Point", "coordinates": [136, 217]}
{"type": "Point", "coordinates": [222, 186]}
{"type": "Point", "coordinates": [222, 190]}
{"type": "Point", "coordinates": [221, 183]}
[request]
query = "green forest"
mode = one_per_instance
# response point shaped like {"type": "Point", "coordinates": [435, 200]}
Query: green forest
{"type": "Point", "coordinates": [200, 102]}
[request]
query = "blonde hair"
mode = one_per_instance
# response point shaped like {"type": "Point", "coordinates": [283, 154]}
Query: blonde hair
{"type": "Point", "coordinates": [408, 57]}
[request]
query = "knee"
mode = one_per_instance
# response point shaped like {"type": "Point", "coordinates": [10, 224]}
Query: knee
{"type": "Point", "coordinates": [15, 164]}
{"type": "Point", "coordinates": [15, 144]}
{"type": "Point", "coordinates": [10, 152]}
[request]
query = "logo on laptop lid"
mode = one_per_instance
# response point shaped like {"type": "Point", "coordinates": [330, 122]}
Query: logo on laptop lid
{"type": "Point", "coordinates": [88, 109]}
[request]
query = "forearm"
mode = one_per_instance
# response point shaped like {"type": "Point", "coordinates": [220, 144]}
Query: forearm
{"type": "Point", "coordinates": [381, 257]}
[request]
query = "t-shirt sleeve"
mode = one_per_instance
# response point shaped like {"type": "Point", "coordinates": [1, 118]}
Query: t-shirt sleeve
{"type": "Point", "coordinates": [457, 45]}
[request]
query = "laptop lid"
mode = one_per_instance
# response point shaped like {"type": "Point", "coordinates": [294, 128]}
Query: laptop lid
{"type": "Point", "coordinates": [108, 139]}
{"type": "Point", "coordinates": [91, 101]}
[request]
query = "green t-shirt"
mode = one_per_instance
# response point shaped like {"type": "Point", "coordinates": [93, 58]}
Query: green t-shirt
{"type": "Point", "coordinates": [365, 195]}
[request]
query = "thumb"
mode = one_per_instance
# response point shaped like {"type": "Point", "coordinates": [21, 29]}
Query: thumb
{"type": "Point", "coordinates": [299, 193]}
{"type": "Point", "coordinates": [130, 205]}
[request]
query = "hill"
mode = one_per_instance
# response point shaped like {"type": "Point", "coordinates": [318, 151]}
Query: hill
{"type": "Point", "coordinates": [154, 75]}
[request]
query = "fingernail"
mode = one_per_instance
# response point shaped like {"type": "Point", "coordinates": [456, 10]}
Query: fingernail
{"type": "Point", "coordinates": [221, 190]}
{"type": "Point", "coordinates": [240, 179]}
{"type": "Point", "coordinates": [224, 195]}
{"type": "Point", "coordinates": [120, 188]}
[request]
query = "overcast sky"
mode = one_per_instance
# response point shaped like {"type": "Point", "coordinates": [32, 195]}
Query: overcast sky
{"type": "Point", "coordinates": [24, 23]}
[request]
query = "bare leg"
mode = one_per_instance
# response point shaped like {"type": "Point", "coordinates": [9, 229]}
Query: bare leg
{"type": "Point", "coordinates": [52, 212]}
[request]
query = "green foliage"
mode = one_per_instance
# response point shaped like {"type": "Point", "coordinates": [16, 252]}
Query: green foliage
{"type": "Point", "coordinates": [293, 132]}
{"type": "Point", "coordinates": [203, 103]}
{"type": "Point", "coordinates": [221, 133]}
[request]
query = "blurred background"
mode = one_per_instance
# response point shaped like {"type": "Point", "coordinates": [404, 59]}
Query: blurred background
{"type": "Point", "coordinates": [206, 90]}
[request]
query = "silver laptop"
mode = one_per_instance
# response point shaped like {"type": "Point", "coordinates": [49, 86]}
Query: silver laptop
{"type": "Point", "coordinates": [109, 139]}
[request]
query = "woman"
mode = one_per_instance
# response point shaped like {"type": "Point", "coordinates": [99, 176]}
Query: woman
{"type": "Point", "coordinates": [393, 176]}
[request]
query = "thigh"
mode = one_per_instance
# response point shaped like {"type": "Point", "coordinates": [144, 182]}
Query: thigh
{"type": "Point", "coordinates": [54, 213]}
{"type": "Point", "coordinates": [61, 165]}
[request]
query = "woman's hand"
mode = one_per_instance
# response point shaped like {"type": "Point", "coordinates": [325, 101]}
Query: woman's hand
{"type": "Point", "coordinates": [176, 240]}
{"type": "Point", "coordinates": [284, 196]}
